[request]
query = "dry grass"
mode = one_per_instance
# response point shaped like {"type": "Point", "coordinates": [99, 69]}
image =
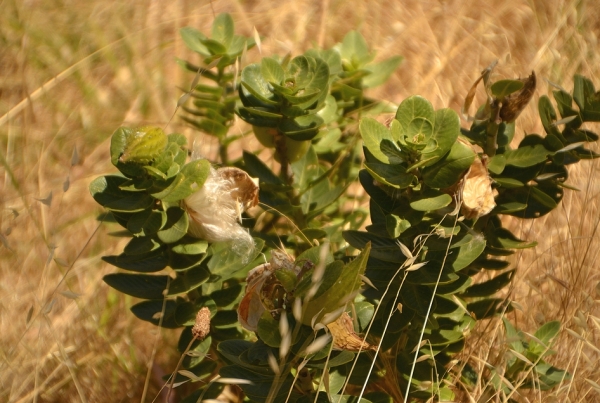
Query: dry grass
{"type": "Point", "coordinates": [73, 71]}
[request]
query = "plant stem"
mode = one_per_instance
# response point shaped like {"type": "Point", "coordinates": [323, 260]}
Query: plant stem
{"type": "Point", "coordinates": [287, 175]}
{"type": "Point", "coordinates": [281, 150]}
{"type": "Point", "coordinates": [491, 130]}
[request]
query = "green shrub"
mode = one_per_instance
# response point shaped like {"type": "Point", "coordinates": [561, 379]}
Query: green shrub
{"type": "Point", "coordinates": [294, 310]}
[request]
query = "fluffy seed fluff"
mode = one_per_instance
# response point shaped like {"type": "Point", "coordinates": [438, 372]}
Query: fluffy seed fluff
{"type": "Point", "coordinates": [216, 209]}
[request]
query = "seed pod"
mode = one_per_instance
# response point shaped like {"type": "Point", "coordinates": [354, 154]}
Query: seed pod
{"type": "Point", "coordinates": [201, 327]}
{"type": "Point", "coordinates": [513, 105]}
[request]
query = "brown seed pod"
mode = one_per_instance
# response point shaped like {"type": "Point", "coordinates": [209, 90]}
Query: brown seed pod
{"type": "Point", "coordinates": [344, 336]}
{"type": "Point", "coordinates": [513, 105]}
{"type": "Point", "coordinates": [201, 327]}
{"type": "Point", "coordinates": [215, 210]}
{"type": "Point", "coordinates": [476, 192]}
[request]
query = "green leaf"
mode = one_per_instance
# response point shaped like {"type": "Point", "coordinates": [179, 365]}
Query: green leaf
{"type": "Point", "coordinates": [385, 249]}
{"type": "Point", "coordinates": [419, 131]}
{"type": "Point", "coordinates": [209, 126]}
{"type": "Point", "coordinates": [380, 72]}
{"type": "Point", "coordinates": [227, 296]}
{"type": "Point", "coordinates": [527, 156]}
{"type": "Point", "coordinates": [329, 112]}
{"type": "Point", "coordinates": [506, 133]}
{"type": "Point", "coordinates": [417, 297]}
{"type": "Point", "coordinates": [310, 73]}
{"type": "Point", "coordinates": [214, 47]}
{"type": "Point", "coordinates": [146, 222]}
{"type": "Point", "coordinates": [254, 82]}
{"type": "Point", "coordinates": [373, 133]}
{"type": "Point", "coordinates": [564, 102]}
{"type": "Point", "coordinates": [193, 40]}
{"type": "Point", "coordinates": [508, 183]}
{"type": "Point", "coordinates": [306, 170]}
{"type": "Point", "coordinates": [256, 168]}
{"type": "Point", "coordinates": [392, 175]}
{"type": "Point", "coordinates": [146, 263]}
{"type": "Point", "coordinates": [141, 245]}
{"type": "Point", "coordinates": [546, 334]}
{"type": "Point", "coordinates": [548, 116]}
{"type": "Point", "coordinates": [485, 308]}
{"type": "Point", "coordinates": [587, 99]}
{"type": "Point", "coordinates": [514, 336]}
{"type": "Point", "coordinates": [308, 95]}
{"type": "Point", "coordinates": [106, 191]}
{"type": "Point", "coordinates": [471, 248]}
{"type": "Point", "coordinates": [414, 107]}
{"type": "Point", "coordinates": [192, 246]}
{"type": "Point", "coordinates": [579, 90]}
{"type": "Point", "coordinates": [354, 49]}
{"type": "Point", "coordinates": [138, 285]}
{"type": "Point", "coordinates": [496, 164]}
{"type": "Point", "coordinates": [225, 263]}
{"type": "Point", "coordinates": [223, 29]}
{"type": "Point", "coordinates": [395, 225]}
{"type": "Point", "coordinates": [258, 390]}
{"type": "Point", "coordinates": [301, 128]}
{"type": "Point", "coordinates": [392, 151]}
{"type": "Point", "coordinates": [503, 238]}
{"type": "Point", "coordinates": [188, 280]}
{"type": "Point", "coordinates": [198, 363]}
{"type": "Point", "coordinates": [142, 145]}
{"type": "Point", "coordinates": [336, 287]}
{"type": "Point", "coordinates": [490, 287]}
{"type": "Point", "coordinates": [152, 311]}
{"type": "Point", "coordinates": [268, 330]}
{"type": "Point", "coordinates": [271, 70]}
{"type": "Point", "coordinates": [176, 226]}
{"type": "Point", "coordinates": [182, 262]}
{"type": "Point", "coordinates": [445, 133]}
{"type": "Point", "coordinates": [191, 178]}
{"type": "Point", "coordinates": [503, 88]}
{"type": "Point", "coordinates": [430, 200]}
{"type": "Point", "coordinates": [448, 171]}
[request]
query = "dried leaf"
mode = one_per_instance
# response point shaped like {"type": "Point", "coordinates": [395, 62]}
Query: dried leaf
{"type": "Point", "coordinates": [485, 75]}
{"type": "Point", "coordinates": [257, 40]}
{"type": "Point", "coordinates": [29, 315]}
{"type": "Point", "coordinates": [344, 337]}
{"type": "Point", "coordinates": [66, 184]}
{"type": "Point", "coordinates": [318, 344]}
{"type": "Point", "coordinates": [513, 105]}
{"type": "Point", "coordinates": [244, 189]}
{"type": "Point", "coordinates": [70, 294]}
{"type": "Point", "coordinates": [47, 200]}
{"type": "Point", "coordinates": [75, 157]}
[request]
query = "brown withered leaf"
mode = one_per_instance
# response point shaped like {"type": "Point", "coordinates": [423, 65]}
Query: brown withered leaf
{"type": "Point", "coordinates": [344, 337]}
{"type": "Point", "coordinates": [477, 193]}
{"type": "Point", "coordinates": [513, 105]}
{"type": "Point", "coordinates": [251, 306]}
{"type": "Point", "coordinates": [245, 188]}
{"type": "Point", "coordinates": [485, 76]}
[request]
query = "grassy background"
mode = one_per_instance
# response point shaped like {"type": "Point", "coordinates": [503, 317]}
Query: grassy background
{"type": "Point", "coordinates": [73, 71]}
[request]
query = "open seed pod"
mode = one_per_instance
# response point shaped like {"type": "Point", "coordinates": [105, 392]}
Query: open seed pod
{"type": "Point", "coordinates": [216, 209]}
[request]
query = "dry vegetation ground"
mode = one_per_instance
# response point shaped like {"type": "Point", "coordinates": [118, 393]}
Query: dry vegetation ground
{"type": "Point", "coordinates": [73, 71]}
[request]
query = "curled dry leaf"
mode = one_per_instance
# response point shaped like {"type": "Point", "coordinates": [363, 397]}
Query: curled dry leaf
{"type": "Point", "coordinates": [476, 191]}
{"type": "Point", "coordinates": [263, 289]}
{"type": "Point", "coordinates": [344, 336]}
{"type": "Point", "coordinates": [216, 209]}
{"type": "Point", "coordinates": [513, 105]}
